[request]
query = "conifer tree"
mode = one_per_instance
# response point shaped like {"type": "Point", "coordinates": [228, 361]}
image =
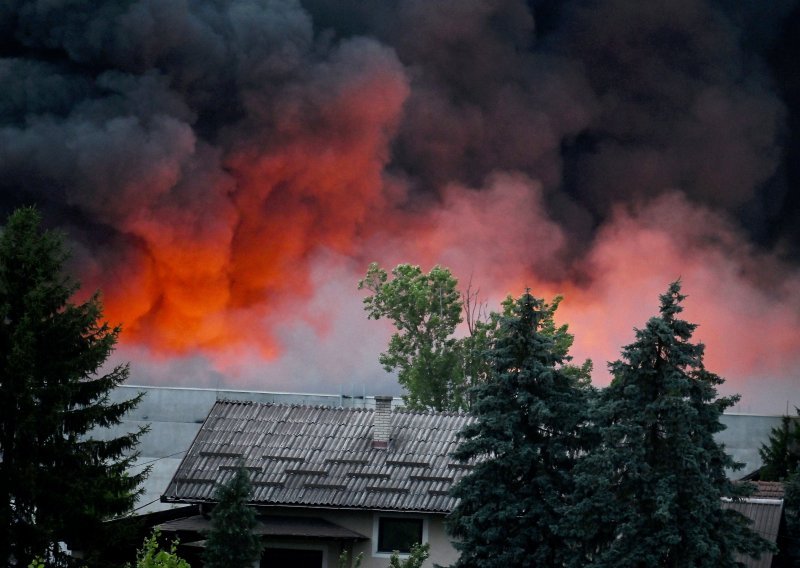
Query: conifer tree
{"type": "Point", "coordinates": [790, 541]}
{"type": "Point", "coordinates": [231, 542]}
{"type": "Point", "coordinates": [58, 482]}
{"type": "Point", "coordinates": [651, 493]}
{"type": "Point", "coordinates": [781, 456]}
{"type": "Point", "coordinates": [523, 445]}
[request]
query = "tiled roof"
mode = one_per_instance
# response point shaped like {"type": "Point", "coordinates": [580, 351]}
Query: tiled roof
{"type": "Point", "coordinates": [323, 457]}
{"type": "Point", "coordinates": [768, 489]}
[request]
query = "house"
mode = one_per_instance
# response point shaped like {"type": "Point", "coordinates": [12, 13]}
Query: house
{"type": "Point", "coordinates": [326, 480]}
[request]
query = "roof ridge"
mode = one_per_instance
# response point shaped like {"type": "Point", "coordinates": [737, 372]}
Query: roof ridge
{"type": "Point", "coordinates": [288, 404]}
{"type": "Point", "coordinates": [398, 410]}
{"type": "Point", "coordinates": [430, 412]}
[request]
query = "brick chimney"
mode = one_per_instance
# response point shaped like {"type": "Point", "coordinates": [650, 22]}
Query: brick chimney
{"type": "Point", "coordinates": [382, 422]}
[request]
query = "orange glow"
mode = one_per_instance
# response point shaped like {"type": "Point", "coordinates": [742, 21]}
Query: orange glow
{"type": "Point", "coordinates": [314, 182]}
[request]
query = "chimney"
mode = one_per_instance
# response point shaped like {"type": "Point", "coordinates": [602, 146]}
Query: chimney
{"type": "Point", "coordinates": [382, 422]}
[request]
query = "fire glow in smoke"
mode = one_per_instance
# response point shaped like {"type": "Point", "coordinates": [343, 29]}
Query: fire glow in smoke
{"type": "Point", "coordinates": [225, 171]}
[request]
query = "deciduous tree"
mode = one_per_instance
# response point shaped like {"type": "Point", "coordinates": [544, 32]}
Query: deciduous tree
{"type": "Point", "coordinates": [151, 556]}
{"type": "Point", "coordinates": [437, 368]}
{"type": "Point", "coordinates": [425, 309]}
{"type": "Point", "coordinates": [58, 481]}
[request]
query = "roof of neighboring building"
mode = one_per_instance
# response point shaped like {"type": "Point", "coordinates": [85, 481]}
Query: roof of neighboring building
{"type": "Point", "coordinates": [323, 457]}
{"type": "Point", "coordinates": [764, 509]}
{"type": "Point", "coordinates": [768, 489]}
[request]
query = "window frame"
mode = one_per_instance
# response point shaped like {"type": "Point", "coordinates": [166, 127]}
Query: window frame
{"type": "Point", "coordinates": [376, 531]}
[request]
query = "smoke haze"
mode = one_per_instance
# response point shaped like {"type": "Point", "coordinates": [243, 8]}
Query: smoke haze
{"type": "Point", "coordinates": [225, 172]}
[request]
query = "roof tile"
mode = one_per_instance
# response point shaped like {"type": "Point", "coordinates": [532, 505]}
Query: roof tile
{"type": "Point", "coordinates": [322, 456]}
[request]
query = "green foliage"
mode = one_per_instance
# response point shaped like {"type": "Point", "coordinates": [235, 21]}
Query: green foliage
{"type": "Point", "coordinates": [344, 560]}
{"type": "Point", "coordinates": [151, 556]}
{"type": "Point", "coordinates": [37, 562]}
{"type": "Point", "coordinates": [651, 493]}
{"type": "Point", "coordinates": [57, 481]}
{"type": "Point", "coordinates": [524, 444]}
{"type": "Point", "coordinates": [419, 553]}
{"type": "Point", "coordinates": [790, 545]}
{"type": "Point", "coordinates": [436, 368]}
{"type": "Point", "coordinates": [781, 457]}
{"type": "Point", "coordinates": [231, 542]}
{"type": "Point", "coordinates": [425, 309]}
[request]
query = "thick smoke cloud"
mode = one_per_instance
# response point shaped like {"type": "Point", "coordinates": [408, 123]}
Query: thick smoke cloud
{"type": "Point", "coordinates": [226, 170]}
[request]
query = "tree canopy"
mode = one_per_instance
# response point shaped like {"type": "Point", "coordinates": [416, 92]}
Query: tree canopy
{"type": "Point", "coordinates": [58, 481]}
{"type": "Point", "coordinates": [425, 309]}
{"type": "Point", "coordinates": [650, 494]}
{"type": "Point", "coordinates": [523, 446]}
{"type": "Point", "coordinates": [436, 368]}
{"type": "Point", "coordinates": [781, 454]}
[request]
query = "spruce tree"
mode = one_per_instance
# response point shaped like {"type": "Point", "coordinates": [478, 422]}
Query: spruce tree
{"type": "Point", "coordinates": [651, 493]}
{"type": "Point", "coordinates": [231, 542]}
{"type": "Point", "coordinates": [58, 482]}
{"type": "Point", "coordinates": [790, 540]}
{"type": "Point", "coordinates": [523, 445]}
{"type": "Point", "coordinates": [781, 456]}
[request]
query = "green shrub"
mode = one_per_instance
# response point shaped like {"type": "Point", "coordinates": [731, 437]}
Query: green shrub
{"type": "Point", "coordinates": [344, 560]}
{"type": "Point", "coordinates": [150, 556]}
{"type": "Point", "coordinates": [419, 553]}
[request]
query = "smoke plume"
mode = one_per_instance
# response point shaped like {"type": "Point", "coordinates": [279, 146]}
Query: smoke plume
{"type": "Point", "coordinates": [225, 171]}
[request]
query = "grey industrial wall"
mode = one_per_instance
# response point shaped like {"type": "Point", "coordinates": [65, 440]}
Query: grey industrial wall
{"type": "Point", "coordinates": [175, 415]}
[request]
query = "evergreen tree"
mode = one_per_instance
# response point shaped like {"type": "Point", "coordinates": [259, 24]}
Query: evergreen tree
{"type": "Point", "coordinates": [524, 444]}
{"type": "Point", "coordinates": [790, 542]}
{"type": "Point", "coordinates": [651, 493]}
{"type": "Point", "coordinates": [231, 542]}
{"type": "Point", "coordinates": [781, 456]}
{"type": "Point", "coordinates": [58, 482]}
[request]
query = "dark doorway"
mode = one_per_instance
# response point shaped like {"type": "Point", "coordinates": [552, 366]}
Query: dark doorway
{"type": "Point", "coordinates": [296, 558]}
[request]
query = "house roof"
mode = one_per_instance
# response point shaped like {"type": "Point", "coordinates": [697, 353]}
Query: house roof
{"type": "Point", "coordinates": [764, 509]}
{"type": "Point", "coordinates": [319, 456]}
{"type": "Point", "coordinates": [768, 489]}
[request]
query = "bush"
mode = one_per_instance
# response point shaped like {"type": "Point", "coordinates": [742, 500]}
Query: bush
{"type": "Point", "coordinates": [419, 553]}
{"type": "Point", "coordinates": [150, 556]}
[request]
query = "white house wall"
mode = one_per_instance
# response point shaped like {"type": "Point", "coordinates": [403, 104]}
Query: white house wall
{"type": "Point", "coordinates": [363, 522]}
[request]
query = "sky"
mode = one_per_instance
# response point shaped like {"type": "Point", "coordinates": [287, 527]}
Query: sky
{"type": "Point", "coordinates": [226, 171]}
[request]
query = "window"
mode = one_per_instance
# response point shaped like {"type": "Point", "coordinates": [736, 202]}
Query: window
{"type": "Point", "coordinates": [399, 533]}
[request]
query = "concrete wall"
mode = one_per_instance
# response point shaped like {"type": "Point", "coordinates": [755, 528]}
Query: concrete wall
{"type": "Point", "coordinates": [743, 436]}
{"type": "Point", "coordinates": [175, 415]}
